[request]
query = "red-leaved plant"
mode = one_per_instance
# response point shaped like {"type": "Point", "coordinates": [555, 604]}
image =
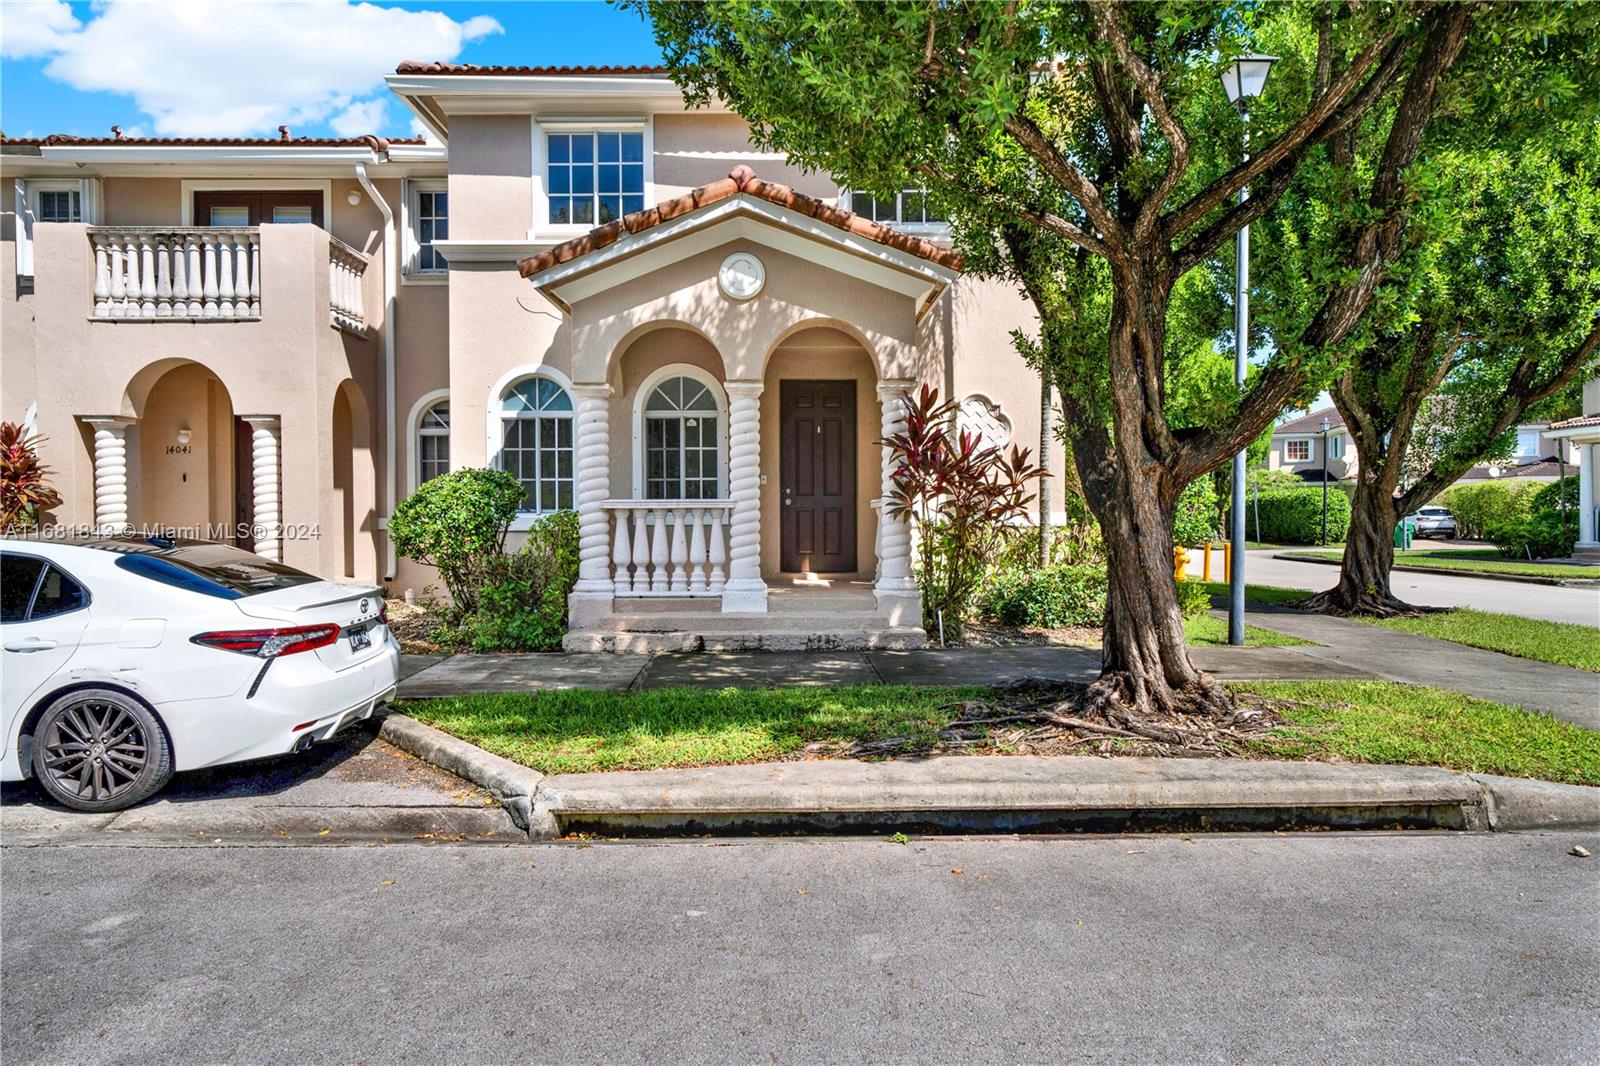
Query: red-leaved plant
{"type": "Point", "coordinates": [23, 492]}
{"type": "Point", "coordinates": [965, 498]}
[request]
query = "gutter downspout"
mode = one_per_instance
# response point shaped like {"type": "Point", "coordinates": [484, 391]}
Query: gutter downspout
{"type": "Point", "coordinates": [390, 283]}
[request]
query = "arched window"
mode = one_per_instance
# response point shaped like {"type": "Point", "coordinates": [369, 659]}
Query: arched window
{"type": "Point", "coordinates": [433, 442]}
{"type": "Point", "coordinates": [682, 428]}
{"type": "Point", "coordinates": [536, 442]}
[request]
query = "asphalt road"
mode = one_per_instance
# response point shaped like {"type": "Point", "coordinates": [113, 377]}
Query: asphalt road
{"type": "Point", "coordinates": [1308, 949]}
{"type": "Point", "coordinates": [1549, 602]}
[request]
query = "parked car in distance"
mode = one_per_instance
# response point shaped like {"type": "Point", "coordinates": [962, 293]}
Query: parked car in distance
{"type": "Point", "coordinates": [127, 658]}
{"type": "Point", "coordinates": [1433, 522]}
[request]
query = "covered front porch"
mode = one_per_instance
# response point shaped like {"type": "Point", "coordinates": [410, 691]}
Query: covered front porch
{"type": "Point", "coordinates": [733, 369]}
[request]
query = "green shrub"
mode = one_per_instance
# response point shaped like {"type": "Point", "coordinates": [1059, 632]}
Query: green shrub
{"type": "Point", "coordinates": [1477, 507]}
{"type": "Point", "coordinates": [521, 597]}
{"type": "Point", "coordinates": [454, 521]}
{"type": "Point", "coordinates": [1053, 597]}
{"type": "Point", "coordinates": [1549, 529]}
{"type": "Point", "coordinates": [1194, 599]}
{"type": "Point", "coordinates": [1195, 521]}
{"type": "Point", "coordinates": [1294, 516]}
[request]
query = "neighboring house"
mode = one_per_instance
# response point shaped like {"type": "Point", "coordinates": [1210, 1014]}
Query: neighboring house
{"type": "Point", "coordinates": [1583, 434]}
{"type": "Point", "coordinates": [1297, 447]}
{"type": "Point", "coordinates": [273, 341]}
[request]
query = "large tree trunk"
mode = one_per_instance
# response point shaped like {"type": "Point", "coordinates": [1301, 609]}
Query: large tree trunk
{"type": "Point", "coordinates": [1127, 479]}
{"type": "Point", "coordinates": [1363, 586]}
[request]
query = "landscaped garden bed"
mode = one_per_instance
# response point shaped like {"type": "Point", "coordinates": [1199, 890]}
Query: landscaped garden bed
{"type": "Point", "coordinates": [1377, 722]}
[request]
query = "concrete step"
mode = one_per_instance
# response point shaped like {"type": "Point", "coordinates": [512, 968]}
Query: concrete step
{"type": "Point", "coordinates": [827, 635]}
{"type": "Point", "coordinates": [714, 622]}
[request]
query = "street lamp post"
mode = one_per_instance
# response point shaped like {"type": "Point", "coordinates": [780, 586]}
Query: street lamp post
{"type": "Point", "coordinates": [1242, 80]}
{"type": "Point", "coordinates": [1325, 426]}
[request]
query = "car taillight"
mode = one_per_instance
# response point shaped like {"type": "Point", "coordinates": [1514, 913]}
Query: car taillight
{"type": "Point", "coordinates": [383, 615]}
{"type": "Point", "coordinates": [270, 643]}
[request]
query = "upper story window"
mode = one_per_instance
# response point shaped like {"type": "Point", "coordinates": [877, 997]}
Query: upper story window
{"type": "Point", "coordinates": [1297, 451]}
{"type": "Point", "coordinates": [536, 442]}
{"type": "Point", "coordinates": [433, 442]}
{"type": "Point", "coordinates": [910, 207]}
{"type": "Point", "coordinates": [430, 222]}
{"type": "Point", "coordinates": [1335, 447]}
{"type": "Point", "coordinates": [594, 176]}
{"type": "Point", "coordinates": [59, 205]}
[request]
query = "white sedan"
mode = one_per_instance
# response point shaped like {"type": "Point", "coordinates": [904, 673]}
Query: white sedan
{"type": "Point", "coordinates": [127, 658]}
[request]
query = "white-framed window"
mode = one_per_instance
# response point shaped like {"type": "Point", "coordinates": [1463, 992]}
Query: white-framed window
{"type": "Point", "coordinates": [48, 200]}
{"type": "Point", "coordinates": [536, 442]}
{"type": "Point", "coordinates": [1335, 446]}
{"type": "Point", "coordinates": [1297, 450]}
{"type": "Point", "coordinates": [680, 439]}
{"type": "Point", "coordinates": [433, 442]}
{"type": "Point", "coordinates": [909, 209]}
{"type": "Point", "coordinates": [428, 211]}
{"type": "Point", "coordinates": [593, 176]}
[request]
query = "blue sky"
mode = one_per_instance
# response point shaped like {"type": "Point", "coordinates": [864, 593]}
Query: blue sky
{"type": "Point", "coordinates": [239, 68]}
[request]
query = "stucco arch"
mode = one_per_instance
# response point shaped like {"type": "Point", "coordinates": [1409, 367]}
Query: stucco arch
{"type": "Point", "coordinates": [819, 322]}
{"type": "Point", "coordinates": [244, 385]}
{"type": "Point", "coordinates": [602, 364]}
{"type": "Point", "coordinates": [350, 510]}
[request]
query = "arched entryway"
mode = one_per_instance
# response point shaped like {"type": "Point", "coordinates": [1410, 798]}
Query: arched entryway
{"type": "Point", "coordinates": [187, 447]}
{"type": "Point", "coordinates": [350, 512]}
{"type": "Point", "coordinates": [819, 461]}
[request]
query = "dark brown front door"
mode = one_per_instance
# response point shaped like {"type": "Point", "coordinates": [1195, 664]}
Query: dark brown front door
{"type": "Point", "coordinates": [251, 208]}
{"type": "Point", "coordinates": [244, 485]}
{"type": "Point", "coordinates": [817, 480]}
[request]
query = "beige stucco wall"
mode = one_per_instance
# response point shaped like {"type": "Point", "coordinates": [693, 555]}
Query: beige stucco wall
{"type": "Point", "coordinates": [189, 487]}
{"type": "Point", "coordinates": [697, 148]}
{"type": "Point", "coordinates": [491, 160]}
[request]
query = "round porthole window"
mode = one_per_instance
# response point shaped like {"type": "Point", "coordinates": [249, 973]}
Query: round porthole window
{"type": "Point", "coordinates": [741, 276]}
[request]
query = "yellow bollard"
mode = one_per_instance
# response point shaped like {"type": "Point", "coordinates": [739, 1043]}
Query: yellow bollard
{"type": "Point", "coordinates": [1205, 573]}
{"type": "Point", "coordinates": [1227, 561]}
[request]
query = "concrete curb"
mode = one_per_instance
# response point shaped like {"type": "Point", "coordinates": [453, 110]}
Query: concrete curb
{"type": "Point", "coordinates": [513, 784]}
{"type": "Point", "coordinates": [1001, 794]}
{"type": "Point", "coordinates": [1560, 582]}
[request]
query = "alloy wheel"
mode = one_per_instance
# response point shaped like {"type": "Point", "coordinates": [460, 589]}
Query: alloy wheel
{"type": "Point", "coordinates": [95, 750]}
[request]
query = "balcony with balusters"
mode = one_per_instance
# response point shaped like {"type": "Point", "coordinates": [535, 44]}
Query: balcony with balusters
{"type": "Point", "coordinates": [209, 274]}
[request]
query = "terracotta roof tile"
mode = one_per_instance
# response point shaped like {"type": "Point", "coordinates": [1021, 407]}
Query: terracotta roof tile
{"type": "Point", "coordinates": [1550, 466]}
{"type": "Point", "coordinates": [1311, 423]}
{"type": "Point", "coordinates": [412, 66]}
{"type": "Point", "coordinates": [740, 180]}
{"type": "Point", "coordinates": [372, 141]}
{"type": "Point", "coordinates": [1577, 423]}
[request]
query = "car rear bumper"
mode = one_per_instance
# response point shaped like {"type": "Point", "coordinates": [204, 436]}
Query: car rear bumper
{"type": "Point", "coordinates": [294, 701]}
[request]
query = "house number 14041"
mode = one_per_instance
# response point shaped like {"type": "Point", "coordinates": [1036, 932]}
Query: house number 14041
{"type": "Point", "coordinates": [177, 449]}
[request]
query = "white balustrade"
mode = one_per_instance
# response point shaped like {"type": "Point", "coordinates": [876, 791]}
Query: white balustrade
{"type": "Point", "coordinates": [177, 273]}
{"type": "Point", "coordinates": [346, 301]}
{"type": "Point", "coordinates": [669, 547]}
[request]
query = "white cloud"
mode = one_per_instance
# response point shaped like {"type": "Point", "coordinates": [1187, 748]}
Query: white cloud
{"type": "Point", "coordinates": [217, 69]}
{"type": "Point", "coordinates": [363, 116]}
{"type": "Point", "coordinates": [35, 27]}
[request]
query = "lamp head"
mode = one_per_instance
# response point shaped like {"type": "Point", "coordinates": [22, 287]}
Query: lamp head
{"type": "Point", "coordinates": [1246, 77]}
{"type": "Point", "coordinates": [1326, 425]}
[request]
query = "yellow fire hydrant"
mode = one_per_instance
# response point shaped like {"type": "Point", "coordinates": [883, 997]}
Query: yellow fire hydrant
{"type": "Point", "coordinates": [1180, 563]}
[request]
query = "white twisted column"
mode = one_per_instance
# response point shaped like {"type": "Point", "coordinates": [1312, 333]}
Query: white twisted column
{"type": "Point", "coordinates": [896, 590]}
{"type": "Point", "coordinates": [744, 590]}
{"type": "Point", "coordinates": [110, 472]}
{"type": "Point", "coordinates": [266, 501]}
{"type": "Point", "coordinates": [591, 597]}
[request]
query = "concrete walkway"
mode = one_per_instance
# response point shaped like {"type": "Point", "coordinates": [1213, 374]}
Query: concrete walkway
{"type": "Point", "coordinates": [463, 674]}
{"type": "Point", "coordinates": [1342, 650]}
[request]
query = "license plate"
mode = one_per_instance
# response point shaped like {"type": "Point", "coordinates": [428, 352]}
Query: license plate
{"type": "Point", "coordinates": [360, 639]}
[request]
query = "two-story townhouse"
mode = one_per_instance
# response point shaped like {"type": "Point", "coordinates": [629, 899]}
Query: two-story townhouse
{"type": "Point", "coordinates": [620, 300]}
{"type": "Point", "coordinates": [1310, 444]}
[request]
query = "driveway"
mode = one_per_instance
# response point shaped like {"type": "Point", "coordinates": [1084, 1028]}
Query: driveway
{"type": "Point", "coordinates": [1547, 602]}
{"type": "Point", "coordinates": [354, 789]}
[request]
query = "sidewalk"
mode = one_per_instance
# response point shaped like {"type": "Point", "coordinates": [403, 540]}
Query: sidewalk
{"type": "Point", "coordinates": [1346, 651]}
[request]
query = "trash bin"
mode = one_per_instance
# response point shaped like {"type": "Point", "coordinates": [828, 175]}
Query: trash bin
{"type": "Point", "coordinates": [1403, 533]}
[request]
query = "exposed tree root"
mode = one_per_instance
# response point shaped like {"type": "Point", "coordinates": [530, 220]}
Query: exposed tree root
{"type": "Point", "coordinates": [1034, 716]}
{"type": "Point", "coordinates": [1370, 604]}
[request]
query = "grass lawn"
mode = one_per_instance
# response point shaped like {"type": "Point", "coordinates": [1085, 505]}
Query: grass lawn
{"type": "Point", "coordinates": [1260, 593]}
{"type": "Point", "coordinates": [565, 732]}
{"type": "Point", "coordinates": [1480, 560]}
{"type": "Point", "coordinates": [1379, 722]}
{"type": "Point", "coordinates": [1208, 631]}
{"type": "Point", "coordinates": [1563, 643]}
